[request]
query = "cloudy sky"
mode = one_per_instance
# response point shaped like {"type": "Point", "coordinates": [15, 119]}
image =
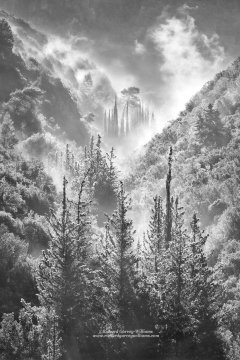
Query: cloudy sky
{"type": "Point", "coordinates": [169, 49]}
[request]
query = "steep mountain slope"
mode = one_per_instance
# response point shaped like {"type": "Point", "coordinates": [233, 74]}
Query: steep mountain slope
{"type": "Point", "coordinates": [65, 59]}
{"type": "Point", "coordinates": [72, 86]}
{"type": "Point", "coordinates": [205, 139]}
{"type": "Point", "coordinates": [26, 196]}
{"type": "Point", "coordinates": [49, 104]}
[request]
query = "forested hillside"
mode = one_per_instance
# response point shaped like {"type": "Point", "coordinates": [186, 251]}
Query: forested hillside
{"type": "Point", "coordinates": [76, 282]}
{"type": "Point", "coordinates": [205, 139]}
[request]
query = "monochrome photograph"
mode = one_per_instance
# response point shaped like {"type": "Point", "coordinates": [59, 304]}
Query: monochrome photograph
{"type": "Point", "coordinates": [119, 180]}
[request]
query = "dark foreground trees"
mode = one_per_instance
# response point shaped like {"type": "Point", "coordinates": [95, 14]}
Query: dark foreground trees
{"type": "Point", "coordinates": [177, 287]}
{"type": "Point", "coordinates": [90, 282]}
{"type": "Point", "coordinates": [66, 290]}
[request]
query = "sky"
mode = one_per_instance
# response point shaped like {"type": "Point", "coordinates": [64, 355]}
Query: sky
{"type": "Point", "coordinates": [169, 49]}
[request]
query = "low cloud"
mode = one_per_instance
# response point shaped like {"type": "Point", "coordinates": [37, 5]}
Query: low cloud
{"type": "Point", "coordinates": [71, 61]}
{"type": "Point", "coordinates": [139, 48]}
{"type": "Point", "coordinates": [169, 61]}
{"type": "Point", "coordinates": [187, 59]}
{"type": "Point", "coordinates": [38, 145]}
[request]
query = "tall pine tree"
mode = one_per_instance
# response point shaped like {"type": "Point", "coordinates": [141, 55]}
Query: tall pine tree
{"type": "Point", "coordinates": [65, 278]}
{"type": "Point", "coordinates": [169, 200]}
{"type": "Point", "coordinates": [202, 296]}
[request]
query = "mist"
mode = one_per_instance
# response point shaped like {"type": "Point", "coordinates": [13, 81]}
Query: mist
{"type": "Point", "coordinates": [170, 63]}
{"type": "Point", "coordinates": [189, 59]}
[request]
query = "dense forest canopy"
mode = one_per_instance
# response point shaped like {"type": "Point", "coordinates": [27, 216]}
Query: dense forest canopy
{"type": "Point", "coordinates": [79, 277]}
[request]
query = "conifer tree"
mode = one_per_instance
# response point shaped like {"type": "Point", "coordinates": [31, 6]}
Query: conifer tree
{"type": "Point", "coordinates": [168, 200]}
{"type": "Point", "coordinates": [202, 297]}
{"type": "Point", "coordinates": [102, 179]}
{"type": "Point", "coordinates": [115, 118]}
{"type": "Point", "coordinates": [156, 231]}
{"type": "Point", "coordinates": [91, 147]}
{"type": "Point", "coordinates": [64, 277]}
{"type": "Point", "coordinates": [120, 239]}
{"type": "Point", "coordinates": [139, 257]}
{"type": "Point", "coordinates": [127, 119]}
{"type": "Point", "coordinates": [209, 127]}
{"type": "Point", "coordinates": [67, 158]}
{"type": "Point", "coordinates": [112, 173]}
{"type": "Point", "coordinates": [89, 163]}
{"type": "Point", "coordinates": [105, 127]}
{"type": "Point", "coordinates": [172, 280]}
